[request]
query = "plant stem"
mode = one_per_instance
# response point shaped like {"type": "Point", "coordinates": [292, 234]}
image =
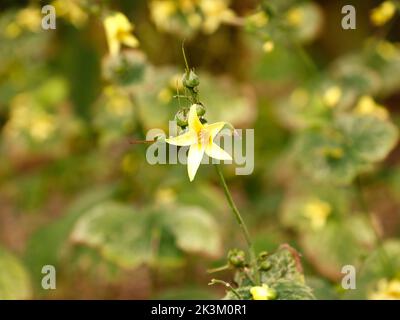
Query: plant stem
{"type": "Point", "coordinates": [240, 221]}
{"type": "Point", "coordinates": [227, 285]}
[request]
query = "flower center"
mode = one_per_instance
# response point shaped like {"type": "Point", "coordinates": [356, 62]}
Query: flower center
{"type": "Point", "coordinates": [203, 137]}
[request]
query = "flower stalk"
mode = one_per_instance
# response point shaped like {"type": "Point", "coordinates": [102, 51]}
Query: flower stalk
{"type": "Point", "coordinates": [240, 221]}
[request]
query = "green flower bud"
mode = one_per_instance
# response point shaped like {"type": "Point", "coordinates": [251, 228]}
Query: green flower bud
{"type": "Point", "coordinates": [200, 110]}
{"type": "Point", "coordinates": [190, 80]}
{"type": "Point", "coordinates": [237, 258]}
{"type": "Point", "coordinates": [262, 255]}
{"type": "Point", "coordinates": [265, 265]}
{"type": "Point", "coordinates": [181, 118]}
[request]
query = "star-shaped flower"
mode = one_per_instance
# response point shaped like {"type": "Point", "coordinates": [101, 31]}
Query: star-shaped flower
{"type": "Point", "coordinates": [119, 31]}
{"type": "Point", "coordinates": [200, 139]}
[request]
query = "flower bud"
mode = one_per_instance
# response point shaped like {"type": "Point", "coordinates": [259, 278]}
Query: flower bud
{"type": "Point", "coordinates": [190, 80]}
{"type": "Point", "coordinates": [200, 110]}
{"type": "Point", "coordinates": [265, 265]}
{"type": "Point", "coordinates": [237, 258]}
{"type": "Point", "coordinates": [181, 117]}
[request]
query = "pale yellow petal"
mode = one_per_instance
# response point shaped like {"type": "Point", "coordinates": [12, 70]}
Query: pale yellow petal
{"type": "Point", "coordinates": [214, 128]}
{"type": "Point", "coordinates": [214, 151]}
{"type": "Point", "coordinates": [185, 139]}
{"type": "Point", "coordinates": [196, 152]}
{"type": "Point", "coordinates": [130, 41]}
{"type": "Point", "coordinates": [193, 119]}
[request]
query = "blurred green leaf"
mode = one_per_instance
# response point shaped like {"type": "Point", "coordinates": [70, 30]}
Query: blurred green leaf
{"type": "Point", "coordinates": [14, 280]}
{"type": "Point", "coordinates": [130, 237]}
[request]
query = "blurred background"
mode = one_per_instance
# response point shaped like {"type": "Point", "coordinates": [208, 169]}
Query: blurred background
{"type": "Point", "coordinates": [75, 194]}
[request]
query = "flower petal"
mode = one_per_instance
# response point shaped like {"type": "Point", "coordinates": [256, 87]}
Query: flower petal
{"type": "Point", "coordinates": [186, 139]}
{"type": "Point", "coordinates": [214, 128]}
{"type": "Point", "coordinates": [196, 152]}
{"type": "Point", "coordinates": [214, 151]}
{"type": "Point", "coordinates": [193, 119]}
{"type": "Point", "coordinates": [130, 41]}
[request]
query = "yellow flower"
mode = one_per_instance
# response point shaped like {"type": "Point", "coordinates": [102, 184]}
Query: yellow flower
{"type": "Point", "coordinates": [71, 11]}
{"type": "Point", "coordinates": [387, 50]}
{"type": "Point", "coordinates": [268, 46]}
{"type": "Point", "coordinates": [317, 212]}
{"type": "Point", "coordinates": [118, 31]}
{"type": "Point", "coordinates": [386, 290]}
{"type": "Point", "coordinates": [30, 18]}
{"type": "Point", "coordinates": [295, 16]}
{"type": "Point", "coordinates": [161, 11]}
{"type": "Point", "coordinates": [200, 139]}
{"type": "Point", "coordinates": [383, 13]}
{"type": "Point", "coordinates": [332, 96]}
{"type": "Point", "coordinates": [367, 105]}
{"type": "Point", "coordinates": [215, 12]}
{"type": "Point", "coordinates": [259, 19]}
{"type": "Point", "coordinates": [263, 293]}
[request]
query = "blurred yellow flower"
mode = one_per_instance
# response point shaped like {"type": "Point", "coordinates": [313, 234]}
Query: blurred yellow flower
{"type": "Point", "coordinates": [387, 50]}
{"type": "Point", "coordinates": [30, 18]}
{"type": "Point", "coordinates": [268, 46]}
{"type": "Point", "coordinates": [161, 11]}
{"type": "Point", "coordinates": [366, 105]}
{"type": "Point", "coordinates": [119, 31]}
{"type": "Point", "coordinates": [332, 96]}
{"type": "Point", "coordinates": [215, 12]}
{"type": "Point", "coordinates": [383, 13]}
{"type": "Point", "coordinates": [26, 19]}
{"type": "Point", "coordinates": [386, 290]}
{"type": "Point", "coordinates": [200, 139]}
{"type": "Point", "coordinates": [71, 11]}
{"type": "Point", "coordinates": [165, 95]}
{"type": "Point", "coordinates": [205, 14]}
{"type": "Point", "coordinates": [259, 19]}
{"type": "Point", "coordinates": [26, 117]}
{"type": "Point", "coordinates": [117, 103]}
{"type": "Point", "coordinates": [263, 292]}
{"type": "Point", "coordinates": [41, 127]}
{"type": "Point", "coordinates": [165, 196]}
{"type": "Point", "coordinates": [295, 16]}
{"type": "Point", "coordinates": [317, 212]}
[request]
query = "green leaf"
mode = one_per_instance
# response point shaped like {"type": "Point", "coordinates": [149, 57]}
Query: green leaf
{"type": "Point", "coordinates": [129, 237]}
{"type": "Point", "coordinates": [337, 244]}
{"type": "Point", "coordinates": [285, 264]}
{"type": "Point", "coordinates": [14, 280]}
{"type": "Point", "coordinates": [381, 264]}
{"type": "Point", "coordinates": [338, 153]}
{"type": "Point", "coordinates": [194, 230]}
{"type": "Point", "coordinates": [49, 243]}
{"type": "Point", "coordinates": [370, 138]}
{"type": "Point", "coordinates": [292, 290]}
{"type": "Point", "coordinates": [117, 231]}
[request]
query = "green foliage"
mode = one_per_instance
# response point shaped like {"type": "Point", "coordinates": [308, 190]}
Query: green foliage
{"type": "Point", "coordinates": [158, 237]}
{"type": "Point", "coordinates": [282, 272]}
{"type": "Point", "coordinates": [76, 191]}
{"type": "Point", "coordinates": [14, 279]}
{"type": "Point", "coordinates": [349, 146]}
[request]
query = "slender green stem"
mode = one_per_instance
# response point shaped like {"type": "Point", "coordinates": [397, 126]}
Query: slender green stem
{"type": "Point", "coordinates": [218, 269]}
{"type": "Point", "coordinates": [184, 57]}
{"type": "Point", "coordinates": [240, 221]}
{"type": "Point", "coordinates": [227, 285]}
